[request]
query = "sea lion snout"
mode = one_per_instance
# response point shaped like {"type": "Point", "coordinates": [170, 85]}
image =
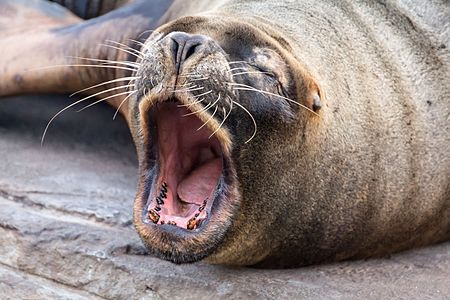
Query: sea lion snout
{"type": "Point", "coordinates": [180, 62]}
{"type": "Point", "coordinates": [184, 46]}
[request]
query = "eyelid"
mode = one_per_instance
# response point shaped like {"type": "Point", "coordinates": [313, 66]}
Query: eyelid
{"type": "Point", "coordinates": [280, 86]}
{"type": "Point", "coordinates": [263, 70]}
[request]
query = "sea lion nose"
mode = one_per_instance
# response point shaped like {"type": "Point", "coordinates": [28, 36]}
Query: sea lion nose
{"type": "Point", "coordinates": [184, 46]}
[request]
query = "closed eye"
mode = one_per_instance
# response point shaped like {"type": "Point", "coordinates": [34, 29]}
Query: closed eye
{"type": "Point", "coordinates": [280, 88]}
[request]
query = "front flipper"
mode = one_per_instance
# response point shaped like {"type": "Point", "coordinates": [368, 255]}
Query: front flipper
{"type": "Point", "coordinates": [41, 42]}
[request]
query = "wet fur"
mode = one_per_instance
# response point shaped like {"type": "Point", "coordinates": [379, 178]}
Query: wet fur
{"type": "Point", "coordinates": [370, 176]}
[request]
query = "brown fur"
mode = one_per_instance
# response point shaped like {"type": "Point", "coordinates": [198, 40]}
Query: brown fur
{"type": "Point", "coordinates": [368, 176]}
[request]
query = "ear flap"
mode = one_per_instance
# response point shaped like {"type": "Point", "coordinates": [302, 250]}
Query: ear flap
{"type": "Point", "coordinates": [314, 98]}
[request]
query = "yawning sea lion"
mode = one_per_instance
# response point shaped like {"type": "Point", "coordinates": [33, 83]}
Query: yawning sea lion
{"type": "Point", "coordinates": [271, 134]}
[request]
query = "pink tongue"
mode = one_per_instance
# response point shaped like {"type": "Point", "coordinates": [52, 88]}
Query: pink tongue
{"type": "Point", "coordinates": [201, 182]}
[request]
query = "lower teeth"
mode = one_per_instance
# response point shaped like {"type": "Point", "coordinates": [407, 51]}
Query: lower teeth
{"type": "Point", "coordinates": [153, 215]}
{"type": "Point", "coordinates": [192, 224]}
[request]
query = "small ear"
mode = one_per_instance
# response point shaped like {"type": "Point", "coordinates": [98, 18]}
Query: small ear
{"type": "Point", "coordinates": [314, 99]}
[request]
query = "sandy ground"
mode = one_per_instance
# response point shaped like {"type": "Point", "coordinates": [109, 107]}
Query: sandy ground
{"type": "Point", "coordinates": [66, 229]}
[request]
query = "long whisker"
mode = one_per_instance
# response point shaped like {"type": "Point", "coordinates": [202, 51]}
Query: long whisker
{"type": "Point", "coordinates": [60, 112]}
{"type": "Point", "coordinates": [209, 119]}
{"type": "Point", "coordinates": [252, 72]}
{"type": "Point", "coordinates": [192, 75]}
{"type": "Point", "coordinates": [192, 103]}
{"type": "Point", "coordinates": [231, 108]}
{"type": "Point", "coordinates": [204, 94]}
{"type": "Point", "coordinates": [199, 79]}
{"type": "Point", "coordinates": [184, 89]}
{"type": "Point", "coordinates": [121, 103]}
{"type": "Point", "coordinates": [196, 112]}
{"type": "Point", "coordinates": [225, 115]}
{"type": "Point", "coordinates": [189, 89]}
{"type": "Point", "coordinates": [140, 43]}
{"type": "Point", "coordinates": [105, 91]}
{"type": "Point", "coordinates": [126, 63]}
{"type": "Point", "coordinates": [207, 107]}
{"type": "Point", "coordinates": [186, 84]}
{"type": "Point", "coordinates": [191, 86]}
{"type": "Point", "coordinates": [81, 65]}
{"type": "Point", "coordinates": [237, 62]}
{"type": "Point", "coordinates": [150, 30]}
{"type": "Point", "coordinates": [238, 68]}
{"type": "Point", "coordinates": [103, 99]}
{"type": "Point", "coordinates": [103, 83]}
{"type": "Point", "coordinates": [253, 119]}
{"type": "Point", "coordinates": [244, 87]}
{"type": "Point", "coordinates": [128, 49]}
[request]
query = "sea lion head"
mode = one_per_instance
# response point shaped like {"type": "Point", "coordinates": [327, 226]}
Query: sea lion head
{"type": "Point", "coordinates": [219, 108]}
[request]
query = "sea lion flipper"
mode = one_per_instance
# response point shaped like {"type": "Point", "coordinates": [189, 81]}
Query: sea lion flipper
{"type": "Point", "coordinates": [27, 44]}
{"type": "Point", "coordinates": [44, 41]}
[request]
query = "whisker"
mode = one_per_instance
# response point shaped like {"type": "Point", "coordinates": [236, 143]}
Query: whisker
{"type": "Point", "coordinates": [231, 107]}
{"type": "Point", "coordinates": [128, 49]}
{"type": "Point", "coordinates": [103, 99]}
{"type": "Point", "coordinates": [150, 30]}
{"type": "Point", "coordinates": [140, 43]}
{"type": "Point", "coordinates": [60, 112]}
{"type": "Point", "coordinates": [195, 112]}
{"type": "Point", "coordinates": [193, 75]}
{"type": "Point", "coordinates": [121, 103]}
{"type": "Point", "coordinates": [126, 63]}
{"type": "Point", "coordinates": [105, 91]}
{"type": "Point", "coordinates": [238, 68]}
{"type": "Point", "coordinates": [253, 72]}
{"type": "Point", "coordinates": [212, 116]}
{"type": "Point", "coordinates": [189, 90]}
{"type": "Point", "coordinates": [187, 83]}
{"type": "Point", "coordinates": [192, 103]}
{"type": "Point", "coordinates": [103, 83]}
{"type": "Point", "coordinates": [91, 66]}
{"type": "Point", "coordinates": [204, 94]}
{"type": "Point", "coordinates": [225, 117]}
{"type": "Point", "coordinates": [199, 79]}
{"type": "Point", "coordinates": [253, 119]}
{"type": "Point", "coordinates": [244, 87]}
{"type": "Point", "coordinates": [237, 62]}
{"type": "Point", "coordinates": [207, 107]}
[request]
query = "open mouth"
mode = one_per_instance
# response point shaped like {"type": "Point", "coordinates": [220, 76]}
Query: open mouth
{"type": "Point", "coordinates": [188, 174]}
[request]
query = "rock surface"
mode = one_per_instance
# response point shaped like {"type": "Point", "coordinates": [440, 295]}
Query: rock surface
{"type": "Point", "coordinates": [66, 229]}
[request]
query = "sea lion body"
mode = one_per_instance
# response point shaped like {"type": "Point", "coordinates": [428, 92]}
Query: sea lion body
{"type": "Point", "coordinates": [362, 173]}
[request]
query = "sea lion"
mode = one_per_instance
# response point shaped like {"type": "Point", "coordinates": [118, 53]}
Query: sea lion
{"type": "Point", "coordinates": [270, 134]}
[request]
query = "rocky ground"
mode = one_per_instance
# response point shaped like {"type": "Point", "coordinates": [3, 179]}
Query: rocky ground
{"type": "Point", "coordinates": [66, 229]}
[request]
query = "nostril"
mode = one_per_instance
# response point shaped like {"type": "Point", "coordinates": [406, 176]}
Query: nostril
{"type": "Point", "coordinates": [184, 46]}
{"type": "Point", "coordinates": [191, 49]}
{"type": "Point", "coordinates": [175, 48]}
